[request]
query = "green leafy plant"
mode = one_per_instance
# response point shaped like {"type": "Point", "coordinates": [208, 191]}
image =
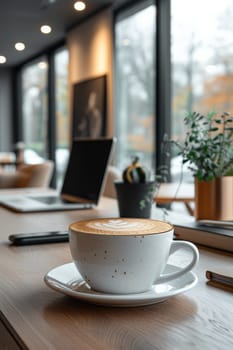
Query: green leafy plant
{"type": "Point", "coordinates": [208, 146]}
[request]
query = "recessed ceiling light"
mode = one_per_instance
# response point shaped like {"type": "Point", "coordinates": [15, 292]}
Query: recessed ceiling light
{"type": "Point", "coordinates": [79, 6]}
{"type": "Point", "coordinates": [45, 29]}
{"type": "Point", "coordinates": [19, 46]}
{"type": "Point", "coordinates": [2, 59]}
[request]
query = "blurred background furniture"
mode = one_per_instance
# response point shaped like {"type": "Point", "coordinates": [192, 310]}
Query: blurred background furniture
{"type": "Point", "coordinates": [28, 175]}
{"type": "Point", "coordinates": [7, 160]}
{"type": "Point", "coordinates": [113, 174]}
{"type": "Point", "coordinates": [169, 193]}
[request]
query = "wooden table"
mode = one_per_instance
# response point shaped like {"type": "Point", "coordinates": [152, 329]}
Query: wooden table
{"type": "Point", "coordinates": [173, 192]}
{"type": "Point", "coordinates": [9, 165]}
{"type": "Point", "coordinates": [35, 317]}
{"type": "Point", "coordinates": [9, 162]}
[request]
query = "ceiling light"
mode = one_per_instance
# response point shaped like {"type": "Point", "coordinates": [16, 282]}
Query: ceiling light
{"type": "Point", "coordinates": [79, 6]}
{"type": "Point", "coordinates": [19, 46]}
{"type": "Point", "coordinates": [2, 59]}
{"type": "Point", "coordinates": [45, 29]}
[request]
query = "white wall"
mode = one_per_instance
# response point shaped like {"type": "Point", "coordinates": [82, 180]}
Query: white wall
{"type": "Point", "coordinates": [5, 110]}
{"type": "Point", "coordinates": [90, 48]}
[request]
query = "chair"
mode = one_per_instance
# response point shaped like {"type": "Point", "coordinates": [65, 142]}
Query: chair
{"type": "Point", "coordinates": [112, 174]}
{"type": "Point", "coordinates": [28, 175]}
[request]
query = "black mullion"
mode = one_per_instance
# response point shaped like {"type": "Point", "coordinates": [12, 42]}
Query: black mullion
{"type": "Point", "coordinates": [51, 129]}
{"type": "Point", "coordinates": [163, 79]}
{"type": "Point", "coordinates": [17, 119]}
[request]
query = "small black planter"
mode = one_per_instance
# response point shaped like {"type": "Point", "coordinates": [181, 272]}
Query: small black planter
{"type": "Point", "coordinates": [135, 199]}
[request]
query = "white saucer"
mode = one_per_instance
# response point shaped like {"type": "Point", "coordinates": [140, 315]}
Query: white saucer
{"type": "Point", "coordinates": [67, 280]}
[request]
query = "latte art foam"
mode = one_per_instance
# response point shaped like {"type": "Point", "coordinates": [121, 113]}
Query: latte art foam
{"type": "Point", "coordinates": [117, 225]}
{"type": "Point", "coordinates": [121, 226]}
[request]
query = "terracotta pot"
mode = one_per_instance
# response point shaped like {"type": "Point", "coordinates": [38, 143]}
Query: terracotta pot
{"type": "Point", "coordinates": [214, 199]}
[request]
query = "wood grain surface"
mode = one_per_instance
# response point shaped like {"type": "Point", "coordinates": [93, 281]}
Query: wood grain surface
{"type": "Point", "coordinates": [41, 318]}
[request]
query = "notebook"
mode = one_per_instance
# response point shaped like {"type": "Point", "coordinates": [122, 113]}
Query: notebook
{"type": "Point", "coordinates": [83, 182]}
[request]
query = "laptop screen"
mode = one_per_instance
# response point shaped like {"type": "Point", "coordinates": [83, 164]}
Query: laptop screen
{"type": "Point", "coordinates": [86, 168]}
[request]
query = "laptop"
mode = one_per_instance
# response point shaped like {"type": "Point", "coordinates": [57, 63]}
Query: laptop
{"type": "Point", "coordinates": [83, 182]}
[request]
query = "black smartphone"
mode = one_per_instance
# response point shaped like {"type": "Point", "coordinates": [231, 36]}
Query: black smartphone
{"type": "Point", "coordinates": [39, 237]}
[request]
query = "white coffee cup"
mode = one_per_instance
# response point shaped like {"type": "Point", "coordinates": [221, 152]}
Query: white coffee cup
{"type": "Point", "coordinates": [125, 255]}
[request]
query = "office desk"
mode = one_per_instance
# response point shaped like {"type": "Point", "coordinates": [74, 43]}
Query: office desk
{"type": "Point", "coordinates": [35, 317]}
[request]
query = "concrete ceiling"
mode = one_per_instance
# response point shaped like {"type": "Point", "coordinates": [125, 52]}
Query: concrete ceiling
{"type": "Point", "coordinates": [20, 21]}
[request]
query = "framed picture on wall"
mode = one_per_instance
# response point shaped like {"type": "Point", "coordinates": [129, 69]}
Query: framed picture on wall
{"type": "Point", "coordinates": [89, 108]}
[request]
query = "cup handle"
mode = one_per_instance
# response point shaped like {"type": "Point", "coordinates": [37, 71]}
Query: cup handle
{"type": "Point", "coordinates": [176, 245]}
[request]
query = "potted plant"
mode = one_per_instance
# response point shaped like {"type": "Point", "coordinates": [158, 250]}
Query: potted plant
{"type": "Point", "coordinates": [135, 193]}
{"type": "Point", "coordinates": [208, 149]}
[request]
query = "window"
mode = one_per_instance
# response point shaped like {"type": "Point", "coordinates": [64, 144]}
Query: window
{"type": "Point", "coordinates": [202, 64]}
{"type": "Point", "coordinates": [41, 110]}
{"type": "Point", "coordinates": [135, 84]}
{"type": "Point", "coordinates": [62, 121]}
{"type": "Point", "coordinates": [35, 110]}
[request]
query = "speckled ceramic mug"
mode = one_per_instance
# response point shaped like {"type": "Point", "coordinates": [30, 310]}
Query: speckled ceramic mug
{"type": "Point", "coordinates": [125, 255]}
